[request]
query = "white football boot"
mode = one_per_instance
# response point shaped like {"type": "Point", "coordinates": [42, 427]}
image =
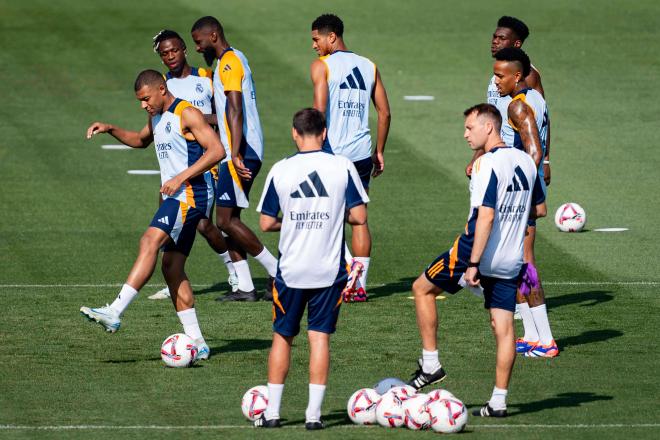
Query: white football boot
{"type": "Point", "coordinates": [105, 316]}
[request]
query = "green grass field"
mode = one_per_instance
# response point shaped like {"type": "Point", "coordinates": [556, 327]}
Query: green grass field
{"type": "Point", "coordinates": [73, 217]}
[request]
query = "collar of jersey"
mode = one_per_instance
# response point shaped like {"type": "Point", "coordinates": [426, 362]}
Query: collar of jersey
{"type": "Point", "coordinates": [173, 106]}
{"type": "Point", "coordinates": [224, 52]}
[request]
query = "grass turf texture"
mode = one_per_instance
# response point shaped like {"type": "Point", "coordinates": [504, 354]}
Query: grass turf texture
{"type": "Point", "coordinates": [73, 216]}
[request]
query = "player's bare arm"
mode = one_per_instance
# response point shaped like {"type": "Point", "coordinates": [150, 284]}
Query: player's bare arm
{"type": "Point", "coordinates": [485, 218]}
{"type": "Point", "coordinates": [134, 139]}
{"type": "Point", "coordinates": [270, 224]}
{"type": "Point", "coordinates": [533, 81]}
{"type": "Point", "coordinates": [192, 122]}
{"type": "Point", "coordinates": [382, 105]}
{"type": "Point", "coordinates": [235, 122]}
{"type": "Point", "coordinates": [523, 120]}
{"type": "Point", "coordinates": [477, 154]}
{"type": "Point", "coordinates": [320, 82]}
{"type": "Point", "coordinates": [538, 211]}
{"type": "Point", "coordinates": [211, 119]}
{"type": "Point", "coordinates": [547, 176]}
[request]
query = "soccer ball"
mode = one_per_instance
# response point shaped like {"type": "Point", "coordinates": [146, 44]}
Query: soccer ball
{"type": "Point", "coordinates": [389, 382]}
{"type": "Point", "coordinates": [361, 406]}
{"type": "Point", "coordinates": [178, 351]}
{"type": "Point", "coordinates": [415, 415]}
{"type": "Point", "coordinates": [570, 217]}
{"type": "Point", "coordinates": [438, 395]}
{"type": "Point", "coordinates": [254, 402]}
{"type": "Point", "coordinates": [389, 410]}
{"type": "Point", "coordinates": [448, 415]}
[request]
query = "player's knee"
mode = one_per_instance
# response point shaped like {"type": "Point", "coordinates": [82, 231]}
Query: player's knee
{"type": "Point", "coordinates": [149, 243]}
{"type": "Point", "coordinates": [420, 289]}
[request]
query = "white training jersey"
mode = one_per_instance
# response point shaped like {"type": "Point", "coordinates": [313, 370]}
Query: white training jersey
{"type": "Point", "coordinates": [492, 94]}
{"type": "Point", "coordinates": [233, 74]}
{"type": "Point", "coordinates": [312, 190]}
{"type": "Point", "coordinates": [351, 80]}
{"type": "Point", "coordinates": [196, 88]}
{"type": "Point", "coordinates": [176, 152]}
{"type": "Point", "coordinates": [504, 179]}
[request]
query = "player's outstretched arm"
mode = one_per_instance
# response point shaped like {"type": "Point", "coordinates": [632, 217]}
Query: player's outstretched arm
{"type": "Point", "coordinates": [192, 121]}
{"type": "Point", "coordinates": [318, 72]}
{"type": "Point", "coordinates": [134, 139]}
{"type": "Point", "coordinates": [523, 120]}
{"type": "Point", "coordinates": [269, 224]}
{"type": "Point", "coordinates": [382, 105]}
{"type": "Point", "coordinates": [235, 122]}
{"type": "Point", "coordinates": [485, 218]}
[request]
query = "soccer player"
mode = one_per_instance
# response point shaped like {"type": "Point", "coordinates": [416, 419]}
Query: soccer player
{"type": "Point", "coordinates": [524, 126]}
{"type": "Point", "coordinates": [504, 191]}
{"type": "Point", "coordinates": [186, 147]}
{"type": "Point", "coordinates": [313, 190]}
{"type": "Point", "coordinates": [194, 85]}
{"type": "Point", "coordinates": [344, 82]}
{"type": "Point", "coordinates": [240, 132]}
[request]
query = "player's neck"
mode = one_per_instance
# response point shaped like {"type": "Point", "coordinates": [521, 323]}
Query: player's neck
{"type": "Point", "coordinates": [167, 102]}
{"type": "Point", "coordinates": [308, 147]}
{"type": "Point", "coordinates": [221, 47]}
{"type": "Point", "coordinates": [187, 70]}
{"type": "Point", "coordinates": [339, 46]}
{"type": "Point", "coordinates": [521, 85]}
{"type": "Point", "coordinates": [496, 142]}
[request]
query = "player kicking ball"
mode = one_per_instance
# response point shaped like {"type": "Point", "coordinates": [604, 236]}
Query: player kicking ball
{"type": "Point", "coordinates": [186, 147]}
{"type": "Point", "coordinates": [313, 190]}
{"type": "Point", "coordinates": [505, 191]}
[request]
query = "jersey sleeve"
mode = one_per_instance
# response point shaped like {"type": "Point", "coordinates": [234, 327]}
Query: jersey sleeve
{"type": "Point", "coordinates": [355, 193]}
{"type": "Point", "coordinates": [231, 73]}
{"type": "Point", "coordinates": [484, 184]}
{"type": "Point", "coordinates": [270, 201]}
{"type": "Point", "coordinates": [538, 195]}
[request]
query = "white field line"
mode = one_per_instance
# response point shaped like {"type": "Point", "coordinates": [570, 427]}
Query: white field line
{"type": "Point", "coordinates": [376, 285]}
{"type": "Point", "coordinates": [248, 426]}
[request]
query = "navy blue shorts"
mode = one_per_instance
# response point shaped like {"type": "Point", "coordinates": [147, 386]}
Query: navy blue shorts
{"type": "Point", "coordinates": [448, 268]}
{"type": "Point", "coordinates": [499, 293]}
{"type": "Point", "coordinates": [364, 168]}
{"type": "Point", "coordinates": [231, 190]}
{"type": "Point", "coordinates": [322, 307]}
{"type": "Point", "coordinates": [178, 220]}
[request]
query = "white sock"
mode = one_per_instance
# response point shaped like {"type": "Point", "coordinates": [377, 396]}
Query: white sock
{"type": "Point", "coordinates": [531, 334]}
{"type": "Point", "coordinates": [430, 361]}
{"type": "Point", "coordinates": [267, 261]}
{"type": "Point", "coordinates": [498, 399]}
{"type": "Point", "coordinates": [362, 281]}
{"type": "Point", "coordinates": [225, 258]}
{"type": "Point", "coordinates": [274, 400]}
{"type": "Point", "coordinates": [126, 295]}
{"type": "Point", "coordinates": [244, 277]}
{"type": "Point", "coordinates": [189, 322]}
{"type": "Point", "coordinates": [347, 254]}
{"type": "Point", "coordinates": [313, 412]}
{"type": "Point", "coordinates": [540, 315]}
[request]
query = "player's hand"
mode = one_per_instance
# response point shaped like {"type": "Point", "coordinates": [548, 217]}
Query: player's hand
{"type": "Point", "coordinates": [472, 276]}
{"type": "Point", "coordinates": [379, 164]}
{"type": "Point", "coordinates": [547, 177]}
{"type": "Point", "coordinates": [170, 187]}
{"type": "Point", "coordinates": [98, 127]}
{"type": "Point", "coordinates": [242, 171]}
{"type": "Point", "coordinates": [468, 170]}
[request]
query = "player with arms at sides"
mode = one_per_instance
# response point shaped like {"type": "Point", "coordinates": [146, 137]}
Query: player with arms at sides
{"type": "Point", "coordinates": [240, 132]}
{"type": "Point", "coordinates": [186, 147]}
{"type": "Point", "coordinates": [504, 192]}
{"type": "Point", "coordinates": [525, 127]}
{"type": "Point", "coordinates": [194, 85]}
{"type": "Point", "coordinates": [313, 191]}
{"type": "Point", "coordinates": [344, 83]}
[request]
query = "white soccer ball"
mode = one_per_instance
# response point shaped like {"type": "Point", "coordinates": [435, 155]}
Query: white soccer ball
{"type": "Point", "coordinates": [389, 410]}
{"type": "Point", "coordinates": [448, 415]}
{"type": "Point", "coordinates": [415, 414]}
{"type": "Point", "coordinates": [570, 217]}
{"type": "Point", "coordinates": [255, 401]}
{"type": "Point", "coordinates": [361, 406]}
{"type": "Point", "coordinates": [178, 351]}
{"type": "Point", "coordinates": [439, 394]}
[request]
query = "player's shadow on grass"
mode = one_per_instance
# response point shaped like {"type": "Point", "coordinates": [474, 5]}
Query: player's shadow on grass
{"type": "Point", "coordinates": [588, 299]}
{"type": "Point", "coordinates": [224, 287]}
{"type": "Point", "coordinates": [335, 418]}
{"type": "Point", "coordinates": [588, 337]}
{"type": "Point", "coordinates": [240, 345]}
{"type": "Point", "coordinates": [562, 400]}
{"type": "Point", "coordinates": [404, 285]}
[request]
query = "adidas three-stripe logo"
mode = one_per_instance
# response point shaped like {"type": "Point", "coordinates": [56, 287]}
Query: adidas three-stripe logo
{"type": "Point", "coordinates": [164, 220]}
{"type": "Point", "coordinates": [225, 196]}
{"type": "Point", "coordinates": [519, 182]}
{"type": "Point", "coordinates": [354, 81]}
{"type": "Point", "coordinates": [306, 190]}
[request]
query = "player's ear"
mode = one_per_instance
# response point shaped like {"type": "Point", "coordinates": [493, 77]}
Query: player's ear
{"type": "Point", "coordinates": [325, 132]}
{"type": "Point", "coordinates": [517, 44]}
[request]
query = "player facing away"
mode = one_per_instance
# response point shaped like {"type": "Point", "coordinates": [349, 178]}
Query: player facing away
{"type": "Point", "coordinates": [524, 126]}
{"type": "Point", "coordinates": [344, 83]}
{"type": "Point", "coordinates": [240, 132]}
{"type": "Point", "coordinates": [194, 85]}
{"type": "Point", "coordinates": [186, 147]}
{"type": "Point", "coordinates": [313, 190]}
{"type": "Point", "coordinates": [504, 191]}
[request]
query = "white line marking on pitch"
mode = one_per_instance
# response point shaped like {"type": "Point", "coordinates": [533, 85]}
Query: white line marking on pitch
{"type": "Point", "coordinates": [247, 426]}
{"type": "Point", "coordinates": [610, 229]}
{"type": "Point", "coordinates": [143, 172]}
{"type": "Point", "coordinates": [116, 147]}
{"type": "Point", "coordinates": [419, 98]}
